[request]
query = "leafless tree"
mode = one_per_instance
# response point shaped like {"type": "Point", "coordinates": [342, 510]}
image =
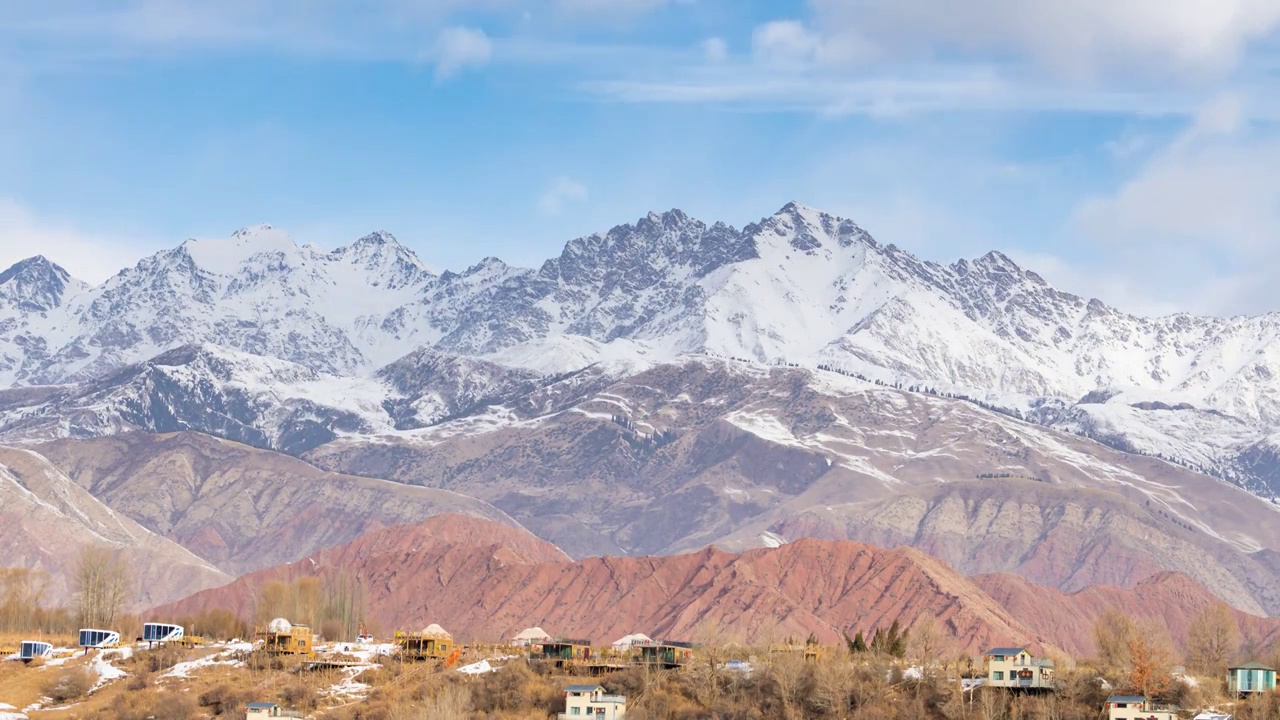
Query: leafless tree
{"type": "Point", "coordinates": [1212, 640]}
{"type": "Point", "coordinates": [103, 585]}
{"type": "Point", "coordinates": [1113, 632]}
{"type": "Point", "coordinates": [833, 681]}
{"type": "Point", "coordinates": [22, 593]}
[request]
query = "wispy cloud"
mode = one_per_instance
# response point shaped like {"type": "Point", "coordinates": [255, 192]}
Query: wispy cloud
{"type": "Point", "coordinates": [89, 256]}
{"type": "Point", "coordinates": [1198, 222]}
{"type": "Point", "coordinates": [561, 192]}
{"type": "Point", "coordinates": [461, 47]}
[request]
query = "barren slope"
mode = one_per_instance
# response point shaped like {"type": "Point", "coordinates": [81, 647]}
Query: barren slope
{"type": "Point", "coordinates": [487, 584]}
{"type": "Point", "coordinates": [1171, 600]}
{"type": "Point", "coordinates": [240, 508]}
{"type": "Point", "coordinates": [709, 451]}
{"type": "Point", "coordinates": [503, 583]}
{"type": "Point", "coordinates": [46, 520]}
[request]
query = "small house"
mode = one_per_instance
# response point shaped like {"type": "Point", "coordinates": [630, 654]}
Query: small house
{"type": "Point", "coordinates": [1251, 677]}
{"type": "Point", "coordinates": [161, 633]}
{"type": "Point", "coordinates": [1017, 667]}
{"type": "Point", "coordinates": [666, 654]}
{"type": "Point", "coordinates": [565, 652]}
{"type": "Point", "coordinates": [31, 649]}
{"type": "Point", "coordinates": [588, 702]}
{"type": "Point", "coordinates": [433, 644]}
{"type": "Point", "coordinates": [94, 639]}
{"type": "Point", "coordinates": [257, 710]}
{"type": "Point", "coordinates": [1136, 707]}
{"type": "Point", "coordinates": [284, 638]}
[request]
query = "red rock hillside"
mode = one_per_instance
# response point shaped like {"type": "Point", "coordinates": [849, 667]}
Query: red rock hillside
{"type": "Point", "coordinates": [482, 580]}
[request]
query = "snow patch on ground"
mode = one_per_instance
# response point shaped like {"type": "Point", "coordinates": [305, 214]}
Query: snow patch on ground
{"type": "Point", "coordinates": [108, 673]}
{"type": "Point", "coordinates": [772, 540]}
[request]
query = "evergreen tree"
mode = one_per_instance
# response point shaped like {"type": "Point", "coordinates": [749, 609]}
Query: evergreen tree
{"type": "Point", "coordinates": [859, 643]}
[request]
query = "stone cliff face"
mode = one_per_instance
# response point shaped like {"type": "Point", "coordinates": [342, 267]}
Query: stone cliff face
{"type": "Point", "coordinates": [486, 584]}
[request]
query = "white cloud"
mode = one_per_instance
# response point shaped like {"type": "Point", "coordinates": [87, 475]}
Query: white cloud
{"type": "Point", "coordinates": [458, 48]}
{"type": "Point", "coordinates": [784, 42]}
{"type": "Point", "coordinates": [715, 50]}
{"type": "Point", "coordinates": [560, 192]}
{"type": "Point", "coordinates": [612, 7]}
{"type": "Point", "coordinates": [1075, 38]}
{"type": "Point", "coordinates": [89, 257]}
{"type": "Point", "coordinates": [1199, 222]}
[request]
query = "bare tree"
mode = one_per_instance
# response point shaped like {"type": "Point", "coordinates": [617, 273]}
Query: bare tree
{"type": "Point", "coordinates": [22, 593]}
{"type": "Point", "coordinates": [708, 666]}
{"type": "Point", "coordinates": [833, 681]}
{"type": "Point", "coordinates": [103, 585]}
{"type": "Point", "coordinates": [1112, 633]}
{"type": "Point", "coordinates": [1212, 640]}
{"type": "Point", "coordinates": [928, 643]}
{"type": "Point", "coordinates": [788, 669]}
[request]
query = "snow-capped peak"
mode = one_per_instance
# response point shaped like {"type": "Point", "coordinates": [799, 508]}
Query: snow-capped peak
{"type": "Point", "coordinates": [37, 285]}
{"type": "Point", "coordinates": [226, 256]}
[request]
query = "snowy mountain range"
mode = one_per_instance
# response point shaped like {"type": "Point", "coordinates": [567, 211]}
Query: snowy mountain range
{"type": "Point", "coordinates": [302, 345]}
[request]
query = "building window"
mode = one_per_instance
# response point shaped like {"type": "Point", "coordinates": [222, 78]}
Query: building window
{"type": "Point", "coordinates": [997, 675]}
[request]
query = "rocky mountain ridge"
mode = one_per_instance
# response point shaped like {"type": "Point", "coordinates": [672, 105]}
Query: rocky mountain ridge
{"type": "Point", "coordinates": [812, 586]}
{"type": "Point", "coordinates": [800, 286]}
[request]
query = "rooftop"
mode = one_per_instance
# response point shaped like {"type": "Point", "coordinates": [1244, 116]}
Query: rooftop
{"type": "Point", "coordinates": [1005, 651]}
{"type": "Point", "coordinates": [1126, 699]}
{"type": "Point", "coordinates": [583, 688]}
{"type": "Point", "coordinates": [1252, 666]}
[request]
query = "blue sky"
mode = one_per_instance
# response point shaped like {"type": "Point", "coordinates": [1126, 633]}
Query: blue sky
{"type": "Point", "coordinates": [1125, 150]}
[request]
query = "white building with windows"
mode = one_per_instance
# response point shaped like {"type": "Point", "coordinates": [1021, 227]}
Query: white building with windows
{"type": "Point", "coordinates": [588, 702]}
{"type": "Point", "coordinates": [91, 638]}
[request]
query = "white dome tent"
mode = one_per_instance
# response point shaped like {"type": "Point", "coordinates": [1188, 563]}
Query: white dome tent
{"type": "Point", "coordinates": [626, 643]}
{"type": "Point", "coordinates": [530, 636]}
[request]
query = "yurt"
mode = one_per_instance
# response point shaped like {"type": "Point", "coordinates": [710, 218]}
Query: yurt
{"type": "Point", "coordinates": [530, 636]}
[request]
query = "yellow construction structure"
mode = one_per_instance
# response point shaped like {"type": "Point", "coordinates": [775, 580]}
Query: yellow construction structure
{"type": "Point", "coordinates": [432, 644]}
{"type": "Point", "coordinates": [281, 637]}
{"type": "Point", "coordinates": [811, 652]}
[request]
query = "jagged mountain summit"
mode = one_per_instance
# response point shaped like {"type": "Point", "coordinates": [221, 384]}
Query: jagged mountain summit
{"type": "Point", "coordinates": [799, 287]}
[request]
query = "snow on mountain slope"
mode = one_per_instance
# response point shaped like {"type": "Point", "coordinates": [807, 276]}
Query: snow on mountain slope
{"type": "Point", "coordinates": [45, 518]}
{"type": "Point", "coordinates": [31, 294]}
{"type": "Point", "coordinates": [800, 286]}
{"type": "Point", "coordinates": [256, 291]}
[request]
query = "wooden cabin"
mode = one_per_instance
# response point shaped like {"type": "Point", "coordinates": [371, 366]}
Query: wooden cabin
{"type": "Point", "coordinates": [432, 644]}
{"type": "Point", "coordinates": [281, 637]}
{"type": "Point", "coordinates": [565, 652]}
{"type": "Point", "coordinates": [665, 654]}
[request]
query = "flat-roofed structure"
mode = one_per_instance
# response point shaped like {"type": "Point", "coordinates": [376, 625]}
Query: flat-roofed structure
{"type": "Point", "coordinates": [94, 639]}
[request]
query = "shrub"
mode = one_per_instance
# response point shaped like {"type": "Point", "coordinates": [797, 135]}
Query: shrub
{"type": "Point", "coordinates": [223, 700]}
{"type": "Point", "coordinates": [70, 684]}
